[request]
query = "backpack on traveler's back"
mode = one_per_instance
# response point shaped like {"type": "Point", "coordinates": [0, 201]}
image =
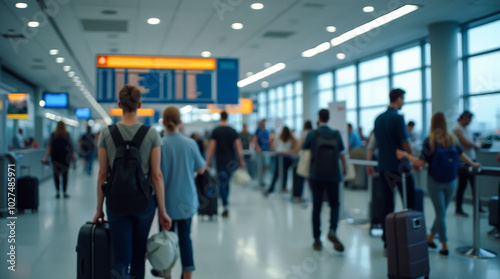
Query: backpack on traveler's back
{"type": "Point", "coordinates": [87, 145]}
{"type": "Point", "coordinates": [325, 156]}
{"type": "Point", "coordinates": [127, 188]}
{"type": "Point", "coordinates": [444, 164]}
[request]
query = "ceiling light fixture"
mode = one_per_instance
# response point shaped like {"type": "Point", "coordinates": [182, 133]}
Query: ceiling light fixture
{"type": "Point", "coordinates": [331, 29]}
{"type": "Point", "coordinates": [264, 84]}
{"type": "Point", "coordinates": [368, 9]}
{"type": "Point", "coordinates": [249, 74]}
{"type": "Point", "coordinates": [76, 78]}
{"type": "Point", "coordinates": [257, 6]}
{"type": "Point", "coordinates": [71, 74]}
{"type": "Point", "coordinates": [318, 49]}
{"type": "Point", "coordinates": [53, 51]}
{"type": "Point", "coordinates": [21, 5]}
{"type": "Point", "coordinates": [60, 60]}
{"type": "Point", "coordinates": [237, 26]}
{"type": "Point", "coordinates": [340, 56]}
{"type": "Point", "coordinates": [153, 20]}
{"type": "Point", "coordinates": [206, 53]}
{"type": "Point", "coordinates": [262, 74]}
{"type": "Point", "coordinates": [42, 103]}
{"type": "Point", "coordinates": [33, 24]}
{"type": "Point", "coordinates": [66, 68]}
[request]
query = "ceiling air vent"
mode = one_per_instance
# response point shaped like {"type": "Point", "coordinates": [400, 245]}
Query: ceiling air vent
{"type": "Point", "coordinates": [314, 5]}
{"type": "Point", "coordinates": [102, 25]}
{"type": "Point", "coordinates": [38, 67]}
{"type": "Point", "coordinates": [278, 34]}
{"type": "Point", "coordinates": [13, 36]}
{"type": "Point", "coordinates": [37, 60]}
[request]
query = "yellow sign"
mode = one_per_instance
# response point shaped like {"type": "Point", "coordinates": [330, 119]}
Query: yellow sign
{"type": "Point", "coordinates": [140, 112]}
{"type": "Point", "coordinates": [245, 106]}
{"type": "Point", "coordinates": [155, 62]}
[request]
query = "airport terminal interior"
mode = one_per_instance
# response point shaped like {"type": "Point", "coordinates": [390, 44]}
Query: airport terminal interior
{"type": "Point", "coordinates": [272, 66]}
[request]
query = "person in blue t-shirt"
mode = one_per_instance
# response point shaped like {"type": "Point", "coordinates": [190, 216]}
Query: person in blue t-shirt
{"type": "Point", "coordinates": [261, 141]}
{"type": "Point", "coordinates": [354, 139]}
{"type": "Point", "coordinates": [180, 158]}
{"type": "Point", "coordinates": [391, 134]}
{"type": "Point", "coordinates": [329, 184]}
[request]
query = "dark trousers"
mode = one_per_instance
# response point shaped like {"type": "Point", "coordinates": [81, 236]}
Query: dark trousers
{"type": "Point", "coordinates": [129, 235]}
{"type": "Point", "coordinates": [287, 162]}
{"type": "Point", "coordinates": [183, 228]}
{"type": "Point", "coordinates": [332, 189]}
{"type": "Point", "coordinates": [60, 169]}
{"type": "Point", "coordinates": [224, 176]}
{"type": "Point", "coordinates": [463, 178]}
{"type": "Point", "coordinates": [389, 180]}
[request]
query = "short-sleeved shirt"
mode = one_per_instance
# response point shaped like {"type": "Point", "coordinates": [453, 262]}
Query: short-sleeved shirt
{"type": "Point", "coordinates": [151, 141]}
{"type": "Point", "coordinates": [262, 139]}
{"type": "Point", "coordinates": [245, 138]}
{"type": "Point", "coordinates": [327, 132]}
{"type": "Point", "coordinates": [390, 133]}
{"type": "Point", "coordinates": [469, 151]}
{"type": "Point", "coordinates": [224, 137]}
{"type": "Point", "coordinates": [427, 154]}
{"type": "Point", "coordinates": [180, 158]}
{"type": "Point", "coordinates": [354, 140]}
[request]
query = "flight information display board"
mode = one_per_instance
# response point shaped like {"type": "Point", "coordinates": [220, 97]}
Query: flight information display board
{"type": "Point", "coordinates": [180, 80]}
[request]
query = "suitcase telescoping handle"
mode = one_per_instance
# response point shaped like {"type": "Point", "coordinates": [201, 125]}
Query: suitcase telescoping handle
{"type": "Point", "coordinates": [405, 192]}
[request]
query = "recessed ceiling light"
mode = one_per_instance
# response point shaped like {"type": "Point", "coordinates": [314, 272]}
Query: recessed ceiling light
{"type": "Point", "coordinates": [341, 56]}
{"type": "Point", "coordinates": [21, 5]}
{"type": "Point", "coordinates": [264, 84]}
{"type": "Point", "coordinates": [60, 59]}
{"type": "Point", "coordinates": [71, 74]}
{"type": "Point", "coordinates": [237, 26]}
{"type": "Point", "coordinates": [331, 29]}
{"type": "Point", "coordinates": [257, 6]}
{"type": "Point", "coordinates": [153, 20]}
{"type": "Point", "coordinates": [42, 103]}
{"type": "Point", "coordinates": [33, 24]}
{"type": "Point", "coordinates": [249, 74]}
{"type": "Point", "coordinates": [206, 53]}
{"type": "Point", "coordinates": [53, 51]}
{"type": "Point", "coordinates": [76, 78]}
{"type": "Point", "coordinates": [368, 9]}
{"type": "Point", "coordinates": [78, 83]}
{"type": "Point", "coordinates": [66, 68]}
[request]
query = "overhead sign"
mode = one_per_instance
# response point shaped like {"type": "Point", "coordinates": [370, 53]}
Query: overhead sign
{"type": "Point", "coordinates": [181, 80]}
{"type": "Point", "coordinates": [245, 106]}
{"type": "Point", "coordinates": [140, 112]}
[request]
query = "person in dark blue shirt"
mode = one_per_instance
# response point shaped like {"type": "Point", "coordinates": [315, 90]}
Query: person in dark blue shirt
{"type": "Point", "coordinates": [261, 141]}
{"type": "Point", "coordinates": [391, 134]}
{"type": "Point", "coordinates": [329, 184]}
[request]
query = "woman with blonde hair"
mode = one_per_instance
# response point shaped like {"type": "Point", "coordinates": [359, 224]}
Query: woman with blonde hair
{"type": "Point", "coordinates": [442, 152]}
{"type": "Point", "coordinates": [61, 152]}
{"type": "Point", "coordinates": [180, 158]}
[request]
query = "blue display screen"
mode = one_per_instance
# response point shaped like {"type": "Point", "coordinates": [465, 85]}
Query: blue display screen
{"type": "Point", "coordinates": [56, 100]}
{"type": "Point", "coordinates": [82, 113]}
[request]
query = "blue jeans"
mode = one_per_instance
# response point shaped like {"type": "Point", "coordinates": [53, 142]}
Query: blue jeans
{"type": "Point", "coordinates": [185, 244]}
{"type": "Point", "coordinates": [89, 159]}
{"type": "Point", "coordinates": [318, 189]}
{"type": "Point", "coordinates": [440, 194]}
{"type": "Point", "coordinates": [224, 176]}
{"type": "Point", "coordinates": [129, 235]}
{"type": "Point", "coordinates": [287, 162]}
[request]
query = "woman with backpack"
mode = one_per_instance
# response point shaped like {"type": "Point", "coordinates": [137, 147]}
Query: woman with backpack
{"type": "Point", "coordinates": [442, 152]}
{"type": "Point", "coordinates": [61, 152]}
{"type": "Point", "coordinates": [180, 158]}
{"type": "Point", "coordinates": [129, 160]}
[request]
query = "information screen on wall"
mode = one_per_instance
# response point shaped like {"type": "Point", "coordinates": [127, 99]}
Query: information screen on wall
{"type": "Point", "coordinates": [181, 80]}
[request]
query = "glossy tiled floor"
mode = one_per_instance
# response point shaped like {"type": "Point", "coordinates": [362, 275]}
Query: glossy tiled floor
{"type": "Point", "coordinates": [264, 238]}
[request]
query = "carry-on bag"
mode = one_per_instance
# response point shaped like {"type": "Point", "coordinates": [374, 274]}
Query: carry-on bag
{"type": "Point", "coordinates": [163, 252]}
{"type": "Point", "coordinates": [406, 240]}
{"type": "Point", "coordinates": [27, 191]}
{"type": "Point", "coordinates": [376, 205]}
{"type": "Point", "coordinates": [207, 194]}
{"type": "Point", "coordinates": [94, 254]}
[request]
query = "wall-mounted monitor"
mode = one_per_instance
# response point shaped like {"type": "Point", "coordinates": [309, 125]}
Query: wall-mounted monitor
{"type": "Point", "coordinates": [18, 106]}
{"type": "Point", "coordinates": [55, 100]}
{"type": "Point", "coordinates": [82, 113]}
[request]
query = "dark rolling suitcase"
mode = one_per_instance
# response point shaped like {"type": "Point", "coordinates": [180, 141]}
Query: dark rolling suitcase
{"type": "Point", "coordinates": [376, 205]}
{"type": "Point", "coordinates": [94, 254]}
{"type": "Point", "coordinates": [406, 239]}
{"type": "Point", "coordinates": [27, 192]}
{"type": "Point", "coordinates": [494, 212]}
{"type": "Point", "coordinates": [207, 194]}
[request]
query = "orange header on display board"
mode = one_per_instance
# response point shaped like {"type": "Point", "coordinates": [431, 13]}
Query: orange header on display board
{"type": "Point", "coordinates": [155, 62]}
{"type": "Point", "coordinates": [140, 112]}
{"type": "Point", "coordinates": [245, 106]}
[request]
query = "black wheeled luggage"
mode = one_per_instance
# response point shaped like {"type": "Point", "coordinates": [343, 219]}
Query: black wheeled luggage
{"type": "Point", "coordinates": [406, 240]}
{"type": "Point", "coordinates": [94, 254]}
{"type": "Point", "coordinates": [207, 194]}
{"type": "Point", "coordinates": [376, 205]}
{"type": "Point", "coordinates": [27, 192]}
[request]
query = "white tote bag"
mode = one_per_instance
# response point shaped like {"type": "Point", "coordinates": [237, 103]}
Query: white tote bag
{"type": "Point", "coordinates": [163, 251]}
{"type": "Point", "coordinates": [241, 177]}
{"type": "Point", "coordinates": [304, 164]}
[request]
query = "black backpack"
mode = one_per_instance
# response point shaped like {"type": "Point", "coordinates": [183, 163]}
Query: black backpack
{"type": "Point", "coordinates": [127, 188]}
{"type": "Point", "coordinates": [325, 156]}
{"type": "Point", "coordinates": [87, 144]}
{"type": "Point", "coordinates": [61, 150]}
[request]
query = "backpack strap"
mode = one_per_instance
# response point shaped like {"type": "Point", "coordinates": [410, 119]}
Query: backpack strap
{"type": "Point", "coordinates": [115, 134]}
{"type": "Point", "coordinates": [140, 135]}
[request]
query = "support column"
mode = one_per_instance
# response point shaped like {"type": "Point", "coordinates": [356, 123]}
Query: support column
{"type": "Point", "coordinates": [39, 116]}
{"type": "Point", "coordinates": [309, 96]}
{"type": "Point", "coordinates": [444, 69]}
